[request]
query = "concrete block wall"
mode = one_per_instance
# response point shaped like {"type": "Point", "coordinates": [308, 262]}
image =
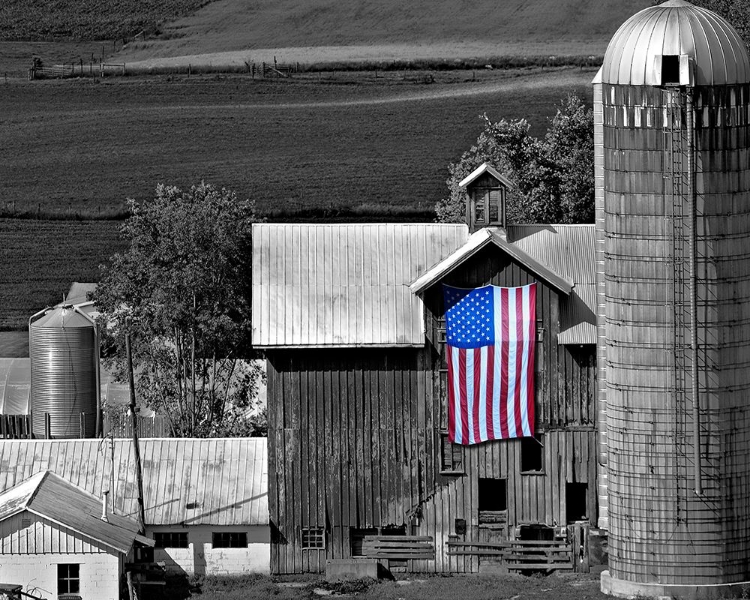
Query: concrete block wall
{"type": "Point", "coordinates": [201, 558]}
{"type": "Point", "coordinates": [37, 573]}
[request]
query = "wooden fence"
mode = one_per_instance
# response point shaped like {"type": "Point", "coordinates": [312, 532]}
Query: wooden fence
{"type": "Point", "coordinates": [81, 69]}
{"type": "Point", "coordinates": [19, 427]}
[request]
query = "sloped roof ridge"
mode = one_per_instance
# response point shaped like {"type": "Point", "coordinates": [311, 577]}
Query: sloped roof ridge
{"type": "Point", "coordinates": [476, 242]}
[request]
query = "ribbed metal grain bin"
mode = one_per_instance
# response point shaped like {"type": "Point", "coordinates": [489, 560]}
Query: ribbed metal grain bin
{"type": "Point", "coordinates": [62, 347]}
{"type": "Point", "coordinates": [674, 135]}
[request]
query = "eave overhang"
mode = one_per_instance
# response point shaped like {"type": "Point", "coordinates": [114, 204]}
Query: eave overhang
{"type": "Point", "coordinates": [477, 241]}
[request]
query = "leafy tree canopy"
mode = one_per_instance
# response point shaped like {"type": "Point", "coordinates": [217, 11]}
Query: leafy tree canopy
{"type": "Point", "coordinates": [553, 176]}
{"type": "Point", "coordinates": [182, 292]}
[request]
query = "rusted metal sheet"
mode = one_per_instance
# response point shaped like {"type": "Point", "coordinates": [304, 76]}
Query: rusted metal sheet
{"type": "Point", "coordinates": [190, 481]}
{"type": "Point", "coordinates": [343, 285]}
{"type": "Point", "coordinates": [57, 500]}
{"type": "Point", "coordinates": [676, 28]}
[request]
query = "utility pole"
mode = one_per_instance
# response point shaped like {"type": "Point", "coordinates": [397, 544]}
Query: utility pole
{"type": "Point", "coordinates": [136, 446]}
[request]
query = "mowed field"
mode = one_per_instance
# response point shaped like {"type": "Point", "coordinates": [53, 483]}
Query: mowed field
{"type": "Point", "coordinates": [296, 29]}
{"type": "Point", "coordinates": [373, 144]}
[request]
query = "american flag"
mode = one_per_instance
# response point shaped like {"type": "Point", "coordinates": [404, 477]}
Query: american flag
{"type": "Point", "coordinates": [490, 335]}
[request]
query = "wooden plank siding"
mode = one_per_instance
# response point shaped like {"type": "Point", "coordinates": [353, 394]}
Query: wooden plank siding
{"type": "Point", "coordinates": [355, 438]}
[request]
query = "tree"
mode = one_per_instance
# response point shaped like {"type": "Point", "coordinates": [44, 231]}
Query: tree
{"type": "Point", "coordinates": [553, 177]}
{"type": "Point", "coordinates": [182, 292]}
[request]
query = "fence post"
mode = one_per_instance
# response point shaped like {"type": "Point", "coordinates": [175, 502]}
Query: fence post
{"type": "Point", "coordinates": [83, 425]}
{"type": "Point", "coordinates": [47, 427]}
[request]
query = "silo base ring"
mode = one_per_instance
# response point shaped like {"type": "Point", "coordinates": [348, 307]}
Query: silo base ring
{"type": "Point", "coordinates": [620, 588]}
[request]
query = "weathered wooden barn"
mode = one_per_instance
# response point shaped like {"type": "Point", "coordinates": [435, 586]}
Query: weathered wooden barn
{"type": "Point", "coordinates": [351, 319]}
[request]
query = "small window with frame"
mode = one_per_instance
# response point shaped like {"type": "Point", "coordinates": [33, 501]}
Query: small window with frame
{"type": "Point", "coordinates": [171, 539]}
{"type": "Point", "coordinates": [479, 210]}
{"type": "Point", "coordinates": [313, 538]}
{"type": "Point", "coordinates": [451, 456]}
{"type": "Point", "coordinates": [68, 579]}
{"type": "Point", "coordinates": [229, 539]}
{"type": "Point", "coordinates": [532, 455]}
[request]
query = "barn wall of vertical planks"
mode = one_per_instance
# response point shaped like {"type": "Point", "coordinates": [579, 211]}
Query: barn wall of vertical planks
{"type": "Point", "coordinates": [356, 441]}
{"type": "Point", "coordinates": [674, 136]}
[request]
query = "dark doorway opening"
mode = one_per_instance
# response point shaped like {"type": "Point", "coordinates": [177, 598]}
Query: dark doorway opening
{"type": "Point", "coordinates": [575, 501]}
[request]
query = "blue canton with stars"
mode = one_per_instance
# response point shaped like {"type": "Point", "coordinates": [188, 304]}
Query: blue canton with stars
{"type": "Point", "coordinates": [469, 317]}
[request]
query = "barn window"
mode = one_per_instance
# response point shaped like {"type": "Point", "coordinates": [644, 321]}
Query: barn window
{"type": "Point", "coordinates": [229, 539]}
{"type": "Point", "coordinates": [171, 539]}
{"type": "Point", "coordinates": [68, 579]}
{"type": "Point", "coordinates": [313, 538]}
{"type": "Point", "coordinates": [575, 501]}
{"type": "Point", "coordinates": [532, 455]}
{"type": "Point", "coordinates": [493, 494]}
{"type": "Point", "coordinates": [479, 211]}
{"type": "Point", "coordinates": [451, 456]}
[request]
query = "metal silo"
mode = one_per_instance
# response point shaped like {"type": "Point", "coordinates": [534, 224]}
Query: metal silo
{"type": "Point", "coordinates": [63, 347]}
{"type": "Point", "coordinates": [672, 107]}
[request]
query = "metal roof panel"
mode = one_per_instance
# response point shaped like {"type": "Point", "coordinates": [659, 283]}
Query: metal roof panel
{"type": "Point", "coordinates": [352, 285]}
{"type": "Point", "coordinates": [185, 480]}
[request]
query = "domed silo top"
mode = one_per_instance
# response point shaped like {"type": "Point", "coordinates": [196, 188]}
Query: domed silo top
{"type": "Point", "coordinates": [63, 317]}
{"type": "Point", "coordinates": [676, 43]}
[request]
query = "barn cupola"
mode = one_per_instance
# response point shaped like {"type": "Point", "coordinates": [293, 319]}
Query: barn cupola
{"type": "Point", "coordinates": [486, 191]}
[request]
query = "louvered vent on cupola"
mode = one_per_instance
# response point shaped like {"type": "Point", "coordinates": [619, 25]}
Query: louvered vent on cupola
{"type": "Point", "coordinates": [486, 191]}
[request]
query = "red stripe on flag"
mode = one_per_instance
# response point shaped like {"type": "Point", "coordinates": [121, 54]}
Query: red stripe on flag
{"type": "Point", "coordinates": [451, 396]}
{"type": "Point", "coordinates": [464, 399]}
{"type": "Point", "coordinates": [504, 365]}
{"type": "Point", "coordinates": [491, 401]}
{"type": "Point", "coordinates": [532, 354]}
{"type": "Point", "coordinates": [477, 381]}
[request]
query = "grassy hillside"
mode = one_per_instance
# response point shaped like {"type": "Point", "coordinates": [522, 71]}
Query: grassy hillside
{"type": "Point", "coordinates": [491, 28]}
{"type": "Point", "coordinates": [87, 19]}
{"type": "Point", "coordinates": [194, 27]}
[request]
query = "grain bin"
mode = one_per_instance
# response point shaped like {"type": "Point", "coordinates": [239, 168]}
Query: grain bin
{"type": "Point", "coordinates": [64, 372]}
{"type": "Point", "coordinates": [672, 107]}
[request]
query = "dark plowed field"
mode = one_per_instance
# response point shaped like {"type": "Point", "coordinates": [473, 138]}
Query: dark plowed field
{"type": "Point", "coordinates": [78, 147]}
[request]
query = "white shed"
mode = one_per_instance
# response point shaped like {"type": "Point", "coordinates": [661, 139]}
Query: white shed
{"type": "Point", "coordinates": [55, 540]}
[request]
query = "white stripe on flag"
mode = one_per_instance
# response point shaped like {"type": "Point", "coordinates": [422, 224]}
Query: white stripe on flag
{"type": "Point", "coordinates": [496, 400]}
{"type": "Point", "coordinates": [525, 363]}
{"type": "Point", "coordinates": [512, 338]}
{"type": "Point", "coordinates": [470, 393]}
{"type": "Point", "coordinates": [456, 396]}
{"type": "Point", "coordinates": [483, 395]}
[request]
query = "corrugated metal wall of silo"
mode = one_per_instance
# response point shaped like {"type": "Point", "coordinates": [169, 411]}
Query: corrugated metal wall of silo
{"type": "Point", "coordinates": [661, 530]}
{"type": "Point", "coordinates": [62, 348]}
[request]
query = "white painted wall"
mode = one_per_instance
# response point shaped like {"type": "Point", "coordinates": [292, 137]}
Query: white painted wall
{"type": "Point", "coordinates": [201, 558]}
{"type": "Point", "coordinates": [37, 573]}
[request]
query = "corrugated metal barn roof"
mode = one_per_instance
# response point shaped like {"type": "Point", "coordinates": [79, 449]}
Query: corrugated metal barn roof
{"type": "Point", "coordinates": [343, 285]}
{"type": "Point", "coordinates": [568, 250]}
{"type": "Point", "coordinates": [189, 481]}
{"type": "Point", "coordinates": [55, 499]}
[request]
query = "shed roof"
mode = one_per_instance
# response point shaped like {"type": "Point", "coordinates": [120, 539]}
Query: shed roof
{"type": "Point", "coordinates": [345, 284]}
{"type": "Point", "coordinates": [186, 481]}
{"type": "Point", "coordinates": [51, 497]}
